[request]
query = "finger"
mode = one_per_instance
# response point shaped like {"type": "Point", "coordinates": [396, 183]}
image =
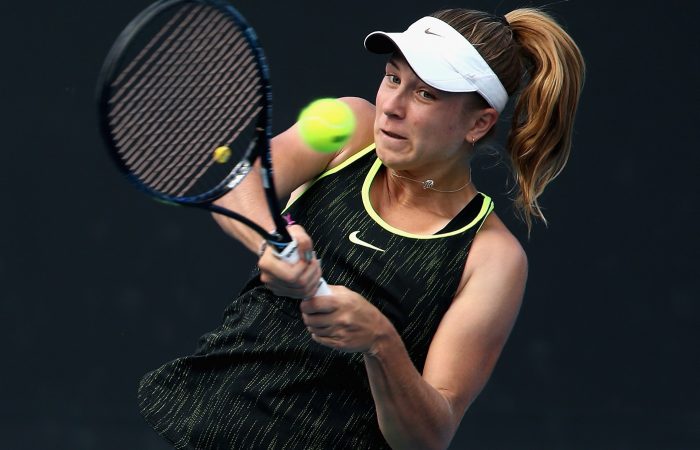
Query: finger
{"type": "Point", "coordinates": [304, 285]}
{"type": "Point", "coordinates": [272, 268]}
{"type": "Point", "coordinates": [294, 282]}
{"type": "Point", "coordinates": [331, 342]}
{"type": "Point", "coordinates": [275, 281]}
{"type": "Point", "coordinates": [328, 333]}
{"type": "Point", "coordinates": [305, 246]}
{"type": "Point", "coordinates": [324, 304]}
{"type": "Point", "coordinates": [310, 278]}
{"type": "Point", "coordinates": [317, 321]}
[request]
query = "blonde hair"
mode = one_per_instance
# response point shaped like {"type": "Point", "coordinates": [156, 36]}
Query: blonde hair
{"type": "Point", "coordinates": [539, 64]}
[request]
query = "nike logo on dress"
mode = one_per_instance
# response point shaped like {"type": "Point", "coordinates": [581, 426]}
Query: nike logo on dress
{"type": "Point", "coordinates": [427, 31]}
{"type": "Point", "coordinates": [355, 240]}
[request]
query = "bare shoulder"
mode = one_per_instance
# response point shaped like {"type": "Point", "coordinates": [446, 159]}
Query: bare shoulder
{"type": "Point", "coordinates": [496, 248]}
{"type": "Point", "coordinates": [496, 269]}
{"type": "Point", "coordinates": [359, 105]}
{"type": "Point", "coordinates": [364, 129]}
{"type": "Point", "coordinates": [363, 109]}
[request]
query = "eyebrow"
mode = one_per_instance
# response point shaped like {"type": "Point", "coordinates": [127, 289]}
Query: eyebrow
{"type": "Point", "coordinates": [392, 62]}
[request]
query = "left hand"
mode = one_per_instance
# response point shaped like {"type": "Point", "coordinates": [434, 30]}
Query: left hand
{"type": "Point", "coordinates": [298, 280]}
{"type": "Point", "coordinates": [344, 321]}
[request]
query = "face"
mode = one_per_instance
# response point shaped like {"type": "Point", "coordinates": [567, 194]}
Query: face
{"type": "Point", "coordinates": [417, 127]}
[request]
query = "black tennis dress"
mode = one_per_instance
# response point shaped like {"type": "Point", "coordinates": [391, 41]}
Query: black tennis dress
{"type": "Point", "coordinates": [258, 381]}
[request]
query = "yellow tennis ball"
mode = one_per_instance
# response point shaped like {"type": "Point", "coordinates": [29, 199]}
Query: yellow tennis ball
{"type": "Point", "coordinates": [222, 154]}
{"type": "Point", "coordinates": [326, 124]}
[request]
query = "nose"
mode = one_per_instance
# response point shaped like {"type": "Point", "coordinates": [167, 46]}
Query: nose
{"type": "Point", "coordinates": [393, 103]}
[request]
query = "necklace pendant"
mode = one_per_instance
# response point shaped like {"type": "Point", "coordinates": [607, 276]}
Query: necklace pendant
{"type": "Point", "coordinates": [428, 184]}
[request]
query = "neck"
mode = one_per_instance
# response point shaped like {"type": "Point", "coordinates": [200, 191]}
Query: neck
{"type": "Point", "coordinates": [429, 184]}
{"type": "Point", "coordinates": [445, 198]}
{"type": "Point", "coordinates": [446, 178]}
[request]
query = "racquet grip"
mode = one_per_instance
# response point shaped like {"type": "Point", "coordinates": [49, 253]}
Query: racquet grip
{"type": "Point", "coordinates": [290, 255]}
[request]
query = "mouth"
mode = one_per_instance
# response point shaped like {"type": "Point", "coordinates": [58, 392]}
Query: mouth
{"type": "Point", "coordinates": [391, 135]}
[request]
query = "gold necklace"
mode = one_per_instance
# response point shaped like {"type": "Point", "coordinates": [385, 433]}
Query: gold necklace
{"type": "Point", "coordinates": [429, 184]}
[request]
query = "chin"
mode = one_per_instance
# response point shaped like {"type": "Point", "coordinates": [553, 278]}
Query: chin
{"type": "Point", "coordinates": [392, 160]}
{"type": "Point", "coordinates": [385, 156]}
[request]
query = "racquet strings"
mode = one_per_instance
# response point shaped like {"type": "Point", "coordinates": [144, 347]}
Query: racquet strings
{"type": "Point", "coordinates": [188, 83]}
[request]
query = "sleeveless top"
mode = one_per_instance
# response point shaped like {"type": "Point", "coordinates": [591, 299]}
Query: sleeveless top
{"type": "Point", "coordinates": [259, 382]}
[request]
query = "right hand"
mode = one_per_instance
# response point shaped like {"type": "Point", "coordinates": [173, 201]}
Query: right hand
{"type": "Point", "coordinates": [298, 280]}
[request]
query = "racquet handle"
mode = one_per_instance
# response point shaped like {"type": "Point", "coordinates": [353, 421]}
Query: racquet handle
{"type": "Point", "coordinates": [291, 255]}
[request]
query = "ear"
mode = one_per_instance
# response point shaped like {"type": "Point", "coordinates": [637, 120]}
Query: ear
{"type": "Point", "coordinates": [485, 120]}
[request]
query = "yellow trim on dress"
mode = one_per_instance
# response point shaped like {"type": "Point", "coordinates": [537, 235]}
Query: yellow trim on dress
{"type": "Point", "coordinates": [486, 208]}
{"type": "Point", "coordinates": [335, 169]}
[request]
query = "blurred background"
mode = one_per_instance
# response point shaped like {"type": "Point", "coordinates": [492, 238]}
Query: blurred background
{"type": "Point", "coordinates": [99, 284]}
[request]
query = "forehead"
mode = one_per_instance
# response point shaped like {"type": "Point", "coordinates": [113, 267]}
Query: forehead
{"type": "Point", "coordinates": [466, 101]}
{"type": "Point", "coordinates": [398, 60]}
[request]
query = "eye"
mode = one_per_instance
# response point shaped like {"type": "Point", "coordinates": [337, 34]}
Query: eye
{"type": "Point", "coordinates": [426, 95]}
{"type": "Point", "coordinates": [392, 79]}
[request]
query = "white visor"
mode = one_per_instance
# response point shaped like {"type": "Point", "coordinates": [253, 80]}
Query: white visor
{"type": "Point", "coordinates": [443, 59]}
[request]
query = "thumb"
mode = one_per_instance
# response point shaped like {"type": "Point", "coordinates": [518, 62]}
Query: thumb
{"type": "Point", "coordinates": [305, 246]}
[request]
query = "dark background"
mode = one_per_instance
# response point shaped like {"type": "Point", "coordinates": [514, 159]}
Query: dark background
{"type": "Point", "coordinates": [98, 284]}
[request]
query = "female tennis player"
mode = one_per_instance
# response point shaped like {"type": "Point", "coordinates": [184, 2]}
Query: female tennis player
{"type": "Point", "coordinates": [426, 280]}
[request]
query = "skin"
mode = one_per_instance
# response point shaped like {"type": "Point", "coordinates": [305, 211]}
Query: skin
{"type": "Point", "coordinates": [421, 133]}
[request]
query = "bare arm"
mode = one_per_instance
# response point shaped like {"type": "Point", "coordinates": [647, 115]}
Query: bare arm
{"type": "Point", "coordinates": [424, 411]}
{"type": "Point", "coordinates": [294, 163]}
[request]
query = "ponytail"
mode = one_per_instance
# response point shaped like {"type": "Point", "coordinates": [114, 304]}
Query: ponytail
{"type": "Point", "coordinates": [539, 141]}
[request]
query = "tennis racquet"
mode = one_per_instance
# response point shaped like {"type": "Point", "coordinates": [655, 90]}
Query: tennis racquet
{"type": "Point", "coordinates": [185, 109]}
